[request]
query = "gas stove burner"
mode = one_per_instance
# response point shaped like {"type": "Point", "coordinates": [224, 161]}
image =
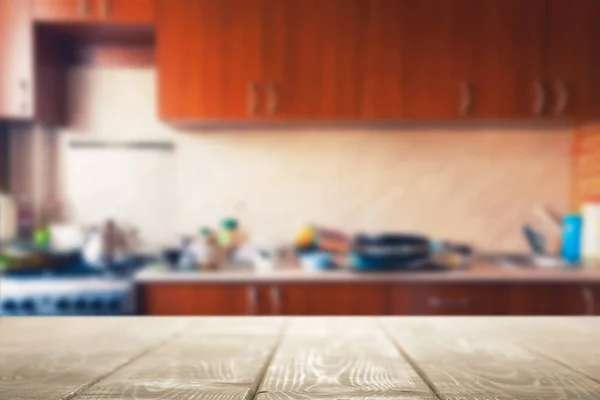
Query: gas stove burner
{"type": "Point", "coordinates": [87, 296]}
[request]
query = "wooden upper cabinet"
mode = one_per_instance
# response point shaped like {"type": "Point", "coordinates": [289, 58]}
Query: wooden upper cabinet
{"type": "Point", "coordinates": [64, 10]}
{"type": "Point", "coordinates": [208, 59]}
{"type": "Point", "coordinates": [508, 73]}
{"type": "Point", "coordinates": [120, 11]}
{"type": "Point", "coordinates": [127, 11]}
{"type": "Point", "coordinates": [437, 44]}
{"type": "Point", "coordinates": [382, 63]}
{"type": "Point", "coordinates": [292, 54]}
{"type": "Point", "coordinates": [16, 60]}
{"type": "Point", "coordinates": [573, 58]}
{"type": "Point", "coordinates": [313, 54]}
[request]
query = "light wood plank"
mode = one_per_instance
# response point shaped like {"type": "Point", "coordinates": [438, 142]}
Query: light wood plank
{"type": "Point", "coordinates": [339, 358]}
{"type": "Point", "coordinates": [56, 357]}
{"type": "Point", "coordinates": [216, 358]}
{"type": "Point", "coordinates": [573, 342]}
{"type": "Point", "coordinates": [477, 358]}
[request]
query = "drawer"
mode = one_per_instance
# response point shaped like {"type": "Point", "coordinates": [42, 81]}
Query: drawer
{"type": "Point", "coordinates": [455, 299]}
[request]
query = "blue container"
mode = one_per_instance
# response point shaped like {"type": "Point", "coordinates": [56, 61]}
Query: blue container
{"type": "Point", "coordinates": [571, 238]}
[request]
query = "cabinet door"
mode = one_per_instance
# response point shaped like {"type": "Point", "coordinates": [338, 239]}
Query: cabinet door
{"type": "Point", "coordinates": [328, 299]}
{"type": "Point", "coordinates": [529, 299]}
{"type": "Point", "coordinates": [198, 299]}
{"type": "Point", "coordinates": [16, 61]}
{"type": "Point", "coordinates": [126, 11]}
{"type": "Point", "coordinates": [313, 60]}
{"type": "Point", "coordinates": [572, 58]}
{"type": "Point", "coordinates": [437, 45]}
{"type": "Point", "coordinates": [508, 71]}
{"type": "Point", "coordinates": [451, 299]}
{"type": "Point", "coordinates": [382, 90]}
{"type": "Point", "coordinates": [579, 300]}
{"type": "Point", "coordinates": [293, 58]}
{"type": "Point", "coordinates": [209, 59]}
{"type": "Point", "coordinates": [65, 10]}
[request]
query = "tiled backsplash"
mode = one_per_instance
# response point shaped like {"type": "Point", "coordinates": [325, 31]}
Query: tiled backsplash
{"type": "Point", "coordinates": [472, 181]}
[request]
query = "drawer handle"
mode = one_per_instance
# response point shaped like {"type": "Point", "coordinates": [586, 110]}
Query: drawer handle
{"type": "Point", "coordinates": [539, 105]}
{"type": "Point", "coordinates": [466, 99]}
{"type": "Point", "coordinates": [276, 299]}
{"type": "Point", "coordinates": [273, 98]}
{"type": "Point", "coordinates": [83, 8]}
{"type": "Point", "coordinates": [449, 303]}
{"type": "Point", "coordinates": [588, 297]}
{"type": "Point", "coordinates": [252, 98]}
{"type": "Point", "coordinates": [253, 300]}
{"type": "Point", "coordinates": [106, 9]}
{"type": "Point", "coordinates": [562, 101]}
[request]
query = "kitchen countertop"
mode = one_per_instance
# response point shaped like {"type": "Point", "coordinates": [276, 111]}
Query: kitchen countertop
{"type": "Point", "coordinates": [300, 358]}
{"type": "Point", "coordinates": [477, 272]}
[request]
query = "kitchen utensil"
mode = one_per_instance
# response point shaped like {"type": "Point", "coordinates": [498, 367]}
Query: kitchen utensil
{"type": "Point", "coordinates": [317, 261]}
{"type": "Point", "coordinates": [536, 240]}
{"type": "Point", "coordinates": [389, 251]}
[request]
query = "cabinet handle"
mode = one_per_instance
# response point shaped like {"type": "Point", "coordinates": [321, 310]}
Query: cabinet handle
{"type": "Point", "coordinates": [448, 303]}
{"type": "Point", "coordinates": [588, 297]}
{"type": "Point", "coordinates": [105, 9]}
{"type": "Point", "coordinates": [276, 299]}
{"type": "Point", "coordinates": [466, 99]}
{"type": "Point", "coordinates": [83, 8]}
{"type": "Point", "coordinates": [539, 104]}
{"type": "Point", "coordinates": [252, 98]}
{"type": "Point", "coordinates": [253, 300]}
{"type": "Point", "coordinates": [273, 98]}
{"type": "Point", "coordinates": [562, 98]}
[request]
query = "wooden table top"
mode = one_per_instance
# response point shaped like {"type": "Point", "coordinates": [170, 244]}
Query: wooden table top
{"type": "Point", "coordinates": [299, 358]}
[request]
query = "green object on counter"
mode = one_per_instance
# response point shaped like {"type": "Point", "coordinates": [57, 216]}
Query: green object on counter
{"type": "Point", "coordinates": [205, 231]}
{"type": "Point", "coordinates": [229, 224]}
{"type": "Point", "coordinates": [227, 235]}
{"type": "Point", "coordinates": [42, 238]}
{"type": "Point", "coordinates": [4, 262]}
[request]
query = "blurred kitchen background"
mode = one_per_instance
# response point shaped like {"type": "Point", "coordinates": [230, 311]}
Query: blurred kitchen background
{"type": "Point", "coordinates": [126, 204]}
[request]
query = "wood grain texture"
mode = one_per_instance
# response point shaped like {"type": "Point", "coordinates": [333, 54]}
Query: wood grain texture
{"type": "Point", "coordinates": [193, 299]}
{"type": "Point", "coordinates": [572, 342]}
{"type": "Point", "coordinates": [52, 358]}
{"type": "Point", "coordinates": [479, 359]}
{"type": "Point", "coordinates": [215, 359]}
{"type": "Point", "coordinates": [302, 358]}
{"type": "Point", "coordinates": [337, 358]}
{"type": "Point", "coordinates": [507, 57]}
{"type": "Point", "coordinates": [208, 54]}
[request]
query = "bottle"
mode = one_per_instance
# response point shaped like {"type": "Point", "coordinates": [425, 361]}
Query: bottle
{"type": "Point", "coordinates": [229, 237]}
{"type": "Point", "coordinates": [571, 238]}
{"type": "Point", "coordinates": [211, 251]}
{"type": "Point", "coordinates": [590, 238]}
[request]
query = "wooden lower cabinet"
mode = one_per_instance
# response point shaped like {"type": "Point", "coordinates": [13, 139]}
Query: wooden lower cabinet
{"type": "Point", "coordinates": [578, 299]}
{"type": "Point", "coordinates": [328, 299]}
{"type": "Point", "coordinates": [445, 299]}
{"type": "Point", "coordinates": [369, 299]}
{"type": "Point", "coordinates": [529, 299]}
{"type": "Point", "coordinates": [198, 299]}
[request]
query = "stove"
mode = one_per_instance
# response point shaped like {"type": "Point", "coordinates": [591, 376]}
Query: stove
{"type": "Point", "coordinates": [76, 290]}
